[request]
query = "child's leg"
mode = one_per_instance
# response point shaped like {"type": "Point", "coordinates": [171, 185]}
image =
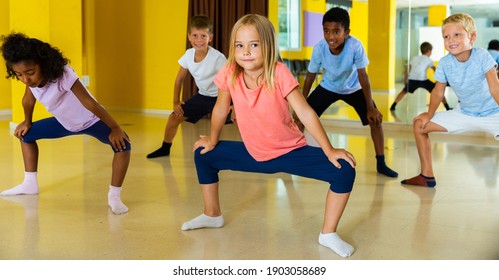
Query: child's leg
{"type": "Point", "coordinates": [423, 144]}
{"type": "Point", "coordinates": [379, 142]}
{"type": "Point", "coordinates": [335, 205]}
{"type": "Point", "coordinates": [319, 100]}
{"type": "Point", "coordinates": [227, 155]}
{"type": "Point", "coordinates": [446, 105]}
{"type": "Point", "coordinates": [358, 101]}
{"type": "Point", "coordinates": [398, 99]}
{"type": "Point", "coordinates": [212, 215]}
{"type": "Point", "coordinates": [121, 161]}
{"type": "Point", "coordinates": [120, 164]}
{"type": "Point", "coordinates": [311, 162]}
{"type": "Point", "coordinates": [48, 128]}
{"type": "Point", "coordinates": [170, 131]}
{"type": "Point", "coordinates": [194, 109]}
{"type": "Point", "coordinates": [30, 183]}
{"type": "Point", "coordinates": [172, 127]}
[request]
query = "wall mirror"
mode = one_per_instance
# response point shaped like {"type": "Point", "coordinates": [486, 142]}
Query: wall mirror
{"type": "Point", "coordinates": [411, 30]}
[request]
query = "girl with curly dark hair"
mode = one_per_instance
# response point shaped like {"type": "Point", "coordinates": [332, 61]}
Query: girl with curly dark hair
{"type": "Point", "coordinates": [50, 80]}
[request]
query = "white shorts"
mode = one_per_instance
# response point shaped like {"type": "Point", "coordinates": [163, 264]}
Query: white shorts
{"type": "Point", "coordinates": [456, 122]}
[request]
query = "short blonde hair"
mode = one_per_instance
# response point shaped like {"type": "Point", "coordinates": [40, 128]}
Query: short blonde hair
{"type": "Point", "coordinates": [268, 41]}
{"type": "Point", "coordinates": [465, 20]}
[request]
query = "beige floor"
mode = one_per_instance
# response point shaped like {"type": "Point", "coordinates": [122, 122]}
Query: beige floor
{"type": "Point", "coordinates": [274, 217]}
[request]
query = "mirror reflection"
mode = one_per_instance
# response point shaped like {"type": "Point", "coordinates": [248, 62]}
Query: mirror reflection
{"type": "Point", "coordinates": [412, 29]}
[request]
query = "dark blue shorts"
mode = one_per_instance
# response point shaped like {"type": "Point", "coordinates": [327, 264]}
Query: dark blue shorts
{"type": "Point", "coordinates": [197, 107]}
{"type": "Point", "coordinates": [413, 85]}
{"type": "Point", "coordinates": [307, 161]}
{"type": "Point", "coordinates": [50, 128]}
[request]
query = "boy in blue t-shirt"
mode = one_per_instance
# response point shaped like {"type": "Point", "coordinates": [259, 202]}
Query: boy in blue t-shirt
{"type": "Point", "coordinates": [344, 61]}
{"type": "Point", "coordinates": [471, 72]}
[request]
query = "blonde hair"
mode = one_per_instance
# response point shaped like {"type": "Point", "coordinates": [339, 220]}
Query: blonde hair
{"type": "Point", "coordinates": [268, 41]}
{"type": "Point", "coordinates": [465, 20]}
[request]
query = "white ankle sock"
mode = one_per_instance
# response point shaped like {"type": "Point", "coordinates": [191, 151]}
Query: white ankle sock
{"type": "Point", "coordinates": [335, 243]}
{"type": "Point", "coordinates": [114, 200]}
{"type": "Point", "coordinates": [203, 221]}
{"type": "Point", "coordinates": [28, 186]}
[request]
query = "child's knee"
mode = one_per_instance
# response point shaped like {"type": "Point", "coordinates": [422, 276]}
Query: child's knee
{"type": "Point", "coordinates": [417, 126]}
{"type": "Point", "coordinates": [345, 180]}
{"type": "Point", "coordinates": [198, 157]}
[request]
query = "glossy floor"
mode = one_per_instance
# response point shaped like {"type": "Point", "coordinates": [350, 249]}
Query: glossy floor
{"type": "Point", "coordinates": [271, 217]}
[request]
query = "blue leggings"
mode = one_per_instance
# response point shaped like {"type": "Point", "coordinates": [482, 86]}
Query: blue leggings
{"type": "Point", "coordinates": [310, 162]}
{"type": "Point", "coordinates": [50, 128]}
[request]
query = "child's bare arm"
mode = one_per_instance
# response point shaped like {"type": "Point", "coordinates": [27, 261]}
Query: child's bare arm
{"type": "Point", "coordinates": [436, 97]}
{"type": "Point", "coordinates": [28, 103]}
{"type": "Point", "coordinates": [309, 118]}
{"type": "Point", "coordinates": [117, 137]}
{"type": "Point", "coordinates": [307, 85]}
{"type": "Point", "coordinates": [218, 117]}
{"type": "Point", "coordinates": [177, 89]}
{"type": "Point", "coordinates": [493, 82]}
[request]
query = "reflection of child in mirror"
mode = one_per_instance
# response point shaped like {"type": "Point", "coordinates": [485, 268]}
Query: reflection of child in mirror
{"type": "Point", "coordinates": [417, 75]}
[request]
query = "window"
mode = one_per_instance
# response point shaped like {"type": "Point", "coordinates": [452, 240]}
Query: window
{"type": "Point", "coordinates": [289, 25]}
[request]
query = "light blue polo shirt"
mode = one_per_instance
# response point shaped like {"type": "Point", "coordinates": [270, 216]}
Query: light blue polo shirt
{"type": "Point", "coordinates": [340, 71]}
{"type": "Point", "coordinates": [468, 81]}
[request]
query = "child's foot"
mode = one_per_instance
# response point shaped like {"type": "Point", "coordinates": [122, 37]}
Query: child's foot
{"type": "Point", "coordinates": [114, 201]}
{"type": "Point", "coordinates": [420, 180]}
{"type": "Point", "coordinates": [393, 107]}
{"type": "Point", "coordinates": [203, 221]}
{"type": "Point", "coordinates": [24, 188]}
{"type": "Point", "coordinates": [335, 243]}
{"type": "Point", "coordinates": [161, 152]}
{"type": "Point", "coordinates": [117, 206]}
{"type": "Point", "coordinates": [385, 170]}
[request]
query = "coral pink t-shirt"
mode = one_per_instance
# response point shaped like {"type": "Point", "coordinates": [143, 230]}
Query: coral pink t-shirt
{"type": "Point", "coordinates": [265, 123]}
{"type": "Point", "coordinates": [59, 100]}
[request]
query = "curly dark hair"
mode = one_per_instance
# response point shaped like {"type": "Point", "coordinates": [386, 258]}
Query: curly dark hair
{"type": "Point", "coordinates": [18, 47]}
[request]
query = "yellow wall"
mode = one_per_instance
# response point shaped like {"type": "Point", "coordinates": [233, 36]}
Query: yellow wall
{"type": "Point", "coordinates": [273, 14]}
{"type": "Point", "coordinates": [128, 48]}
{"type": "Point", "coordinates": [359, 19]}
{"type": "Point", "coordinates": [381, 50]}
{"type": "Point", "coordinates": [5, 91]}
{"type": "Point", "coordinates": [131, 51]}
{"type": "Point", "coordinates": [437, 14]}
{"type": "Point", "coordinates": [165, 39]}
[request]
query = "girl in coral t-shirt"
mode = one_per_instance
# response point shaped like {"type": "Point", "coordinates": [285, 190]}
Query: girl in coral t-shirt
{"type": "Point", "coordinates": [261, 88]}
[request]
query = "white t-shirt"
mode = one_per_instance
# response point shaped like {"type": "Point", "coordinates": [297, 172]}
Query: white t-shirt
{"type": "Point", "coordinates": [204, 71]}
{"type": "Point", "coordinates": [419, 66]}
{"type": "Point", "coordinates": [61, 102]}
